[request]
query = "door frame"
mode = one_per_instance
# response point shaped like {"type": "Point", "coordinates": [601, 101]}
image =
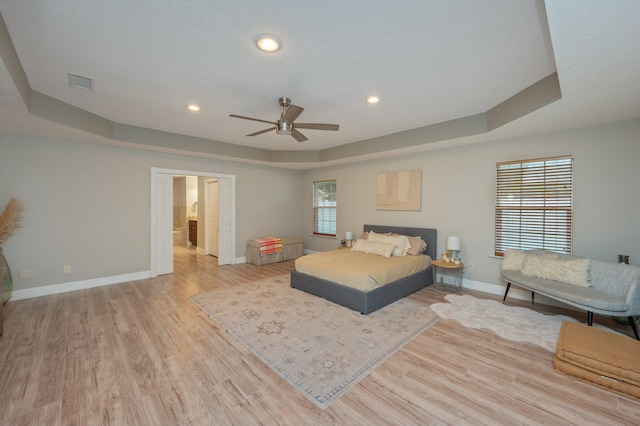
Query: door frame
{"type": "Point", "coordinates": [155, 171]}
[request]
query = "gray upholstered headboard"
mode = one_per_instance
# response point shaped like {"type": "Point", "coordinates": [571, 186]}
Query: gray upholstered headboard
{"type": "Point", "coordinates": [427, 234]}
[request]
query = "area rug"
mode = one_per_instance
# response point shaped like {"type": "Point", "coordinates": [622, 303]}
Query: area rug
{"type": "Point", "coordinates": [513, 323]}
{"type": "Point", "coordinates": [322, 349]}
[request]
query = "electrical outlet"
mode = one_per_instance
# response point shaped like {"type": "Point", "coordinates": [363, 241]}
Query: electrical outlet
{"type": "Point", "coordinates": [26, 273]}
{"type": "Point", "coordinates": [470, 266]}
{"type": "Point", "coordinates": [67, 269]}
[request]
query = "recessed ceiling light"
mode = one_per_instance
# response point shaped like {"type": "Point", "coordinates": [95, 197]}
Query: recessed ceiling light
{"type": "Point", "coordinates": [268, 43]}
{"type": "Point", "coordinates": [192, 107]}
{"type": "Point", "coordinates": [373, 99]}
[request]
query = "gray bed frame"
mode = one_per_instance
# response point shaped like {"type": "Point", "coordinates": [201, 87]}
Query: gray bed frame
{"type": "Point", "coordinates": [369, 301]}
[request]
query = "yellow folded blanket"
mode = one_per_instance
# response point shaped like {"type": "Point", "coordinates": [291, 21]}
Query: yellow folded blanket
{"type": "Point", "coordinates": [607, 359]}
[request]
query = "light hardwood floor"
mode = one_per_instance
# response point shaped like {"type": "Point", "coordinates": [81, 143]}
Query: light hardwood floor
{"type": "Point", "coordinates": [141, 353]}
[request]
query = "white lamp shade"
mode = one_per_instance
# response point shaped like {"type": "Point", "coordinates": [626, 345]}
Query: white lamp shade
{"type": "Point", "coordinates": [348, 235]}
{"type": "Point", "coordinates": [454, 243]}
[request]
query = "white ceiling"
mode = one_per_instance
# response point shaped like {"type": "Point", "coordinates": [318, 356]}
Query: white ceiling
{"type": "Point", "coordinates": [429, 61]}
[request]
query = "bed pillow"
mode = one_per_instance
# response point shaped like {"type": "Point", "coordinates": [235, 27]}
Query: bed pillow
{"type": "Point", "coordinates": [373, 247]}
{"type": "Point", "coordinates": [365, 235]}
{"type": "Point", "coordinates": [400, 241]}
{"type": "Point", "coordinates": [416, 245]}
{"type": "Point", "coordinates": [513, 260]}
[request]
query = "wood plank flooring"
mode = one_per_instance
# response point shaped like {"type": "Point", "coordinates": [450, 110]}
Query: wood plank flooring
{"type": "Point", "coordinates": [140, 353]}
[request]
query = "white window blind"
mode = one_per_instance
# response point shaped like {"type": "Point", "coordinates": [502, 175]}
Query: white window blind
{"type": "Point", "coordinates": [324, 207]}
{"type": "Point", "coordinates": [534, 205]}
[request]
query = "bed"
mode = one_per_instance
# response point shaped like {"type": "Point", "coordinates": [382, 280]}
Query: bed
{"type": "Point", "coordinates": [367, 301]}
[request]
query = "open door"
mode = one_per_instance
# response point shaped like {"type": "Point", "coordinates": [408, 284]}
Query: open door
{"type": "Point", "coordinates": [211, 217]}
{"type": "Point", "coordinates": [219, 220]}
{"type": "Point", "coordinates": [226, 232]}
{"type": "Point", "coordinates": [162, 218]}
{"type": "Point", "coordinates": [164, 224]}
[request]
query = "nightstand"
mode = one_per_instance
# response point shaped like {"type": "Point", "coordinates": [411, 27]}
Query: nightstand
{"type": "Point", "coordinates": [452, 269]}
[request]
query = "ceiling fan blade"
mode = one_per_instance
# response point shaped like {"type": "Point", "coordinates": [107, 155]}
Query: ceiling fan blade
{"type": "Point", "coordinates": [318, 126]}
{"type": "Point", "coordinates": [292, 112]}
{"type": "Point", "coordinates": [252, 119]}
{"type": "Point", "coordinates": [262, 131]}
{"type": "Point", "coordinates": [298, 136]}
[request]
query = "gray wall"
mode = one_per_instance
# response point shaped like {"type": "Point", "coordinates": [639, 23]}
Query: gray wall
{"type": "Point", "coordinates": [458, 193]}
{"type": "Point", "coordinates": [88, 206]}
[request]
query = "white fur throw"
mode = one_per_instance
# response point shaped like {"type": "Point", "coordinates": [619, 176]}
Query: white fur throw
{"type": "Point", "coordinates": [373, 247]}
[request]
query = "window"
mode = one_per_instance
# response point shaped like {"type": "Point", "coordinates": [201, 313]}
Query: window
{"type": "Point", "coordinates": [534, 205]}
{"type": "Point", "coordinates": [324, 207]}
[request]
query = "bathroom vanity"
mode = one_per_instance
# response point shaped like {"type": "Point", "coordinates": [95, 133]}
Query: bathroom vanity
{"type": "Point", "coordinates": [193, 232]}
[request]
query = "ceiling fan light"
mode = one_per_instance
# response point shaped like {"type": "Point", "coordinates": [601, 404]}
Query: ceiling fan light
{"type": "Point", "coordinates": [193, 107]}
{"type": "Point", "coordinates": [284, 128]}
{"type": "Point", "coordinates": [373, 99]}
{"type": "Point", "coordinates": [268, 43]}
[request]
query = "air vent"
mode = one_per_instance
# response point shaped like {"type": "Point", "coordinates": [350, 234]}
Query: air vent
{"type": "Point", "coordinates": [80, 82]}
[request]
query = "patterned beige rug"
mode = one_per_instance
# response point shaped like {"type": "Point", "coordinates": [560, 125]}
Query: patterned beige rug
{"type": "Point", "coordinates": [320, 348]}
{"type": "Point", "coordinates": [513, 323]}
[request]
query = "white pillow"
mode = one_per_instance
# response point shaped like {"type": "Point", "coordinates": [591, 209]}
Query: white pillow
{"type": "Point", "coordinates": [571, 271]}
{"type": "Point", "coordinates": [537, 265]}
{"type": "Point", "coordinates": [365, 235]}
{"type": "Point", "coordinates": [400, 241]}
{"type": "Point", "coordinates": [373, 247]}
{"type": "Point", "coordinates": [513, 260]}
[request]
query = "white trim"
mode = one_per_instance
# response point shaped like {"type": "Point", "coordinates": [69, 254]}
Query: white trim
{"type": "Point", "coordinates": [515, 292]}
{"type": "Point", "coordinates": [497, 289]}
{"type": "Point", "coordinates": [78, 285]}
{"type": "Point", "coordinates": [154, 220]}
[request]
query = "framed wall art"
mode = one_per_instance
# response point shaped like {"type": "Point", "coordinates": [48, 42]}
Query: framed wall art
{"type": "Point", "coordinates": [399, 190]}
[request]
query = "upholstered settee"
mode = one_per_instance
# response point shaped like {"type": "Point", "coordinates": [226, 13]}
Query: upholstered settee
{"type": "Point", "coordinates": [605, 288]}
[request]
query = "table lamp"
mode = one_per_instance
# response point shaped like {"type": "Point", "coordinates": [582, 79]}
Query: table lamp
{"type": "Point", "coordinates": [454, 245]}
{"type": "Point", "coordinates": [349, 237]}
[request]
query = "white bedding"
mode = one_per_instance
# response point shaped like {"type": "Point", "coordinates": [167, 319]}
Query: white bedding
{"type": "Point", "coordinates": [360, 270]}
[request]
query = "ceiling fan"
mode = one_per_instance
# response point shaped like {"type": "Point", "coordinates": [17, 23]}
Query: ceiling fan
{"type": "Point", "coordinates": [285, 125]}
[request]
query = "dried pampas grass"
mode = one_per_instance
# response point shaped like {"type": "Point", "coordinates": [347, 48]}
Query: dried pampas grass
{"type": "Point", "coordinates": [9, 219]}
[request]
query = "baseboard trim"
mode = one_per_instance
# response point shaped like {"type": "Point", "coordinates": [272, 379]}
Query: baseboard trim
{"type": "Point", "coordinates": [48, 290]}
{"type": "Point", "coordinates": [494, 289]}
{"type": "Point", "coordinates": [514, 293]}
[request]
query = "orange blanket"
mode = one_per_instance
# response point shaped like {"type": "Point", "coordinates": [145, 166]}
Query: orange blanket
{"type": "Point", "coordinates": [269, 245]}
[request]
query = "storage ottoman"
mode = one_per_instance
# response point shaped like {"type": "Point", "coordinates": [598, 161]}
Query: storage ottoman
{"type": "Point", "coordinates": [599, 356]}
{"type": "Point", "coordinates": [292, 248]}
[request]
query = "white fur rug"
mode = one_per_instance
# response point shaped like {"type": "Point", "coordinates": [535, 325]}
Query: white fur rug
{"type": "Point", "coordinates": [510, 322]}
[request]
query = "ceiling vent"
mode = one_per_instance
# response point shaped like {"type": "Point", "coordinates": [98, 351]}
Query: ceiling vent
{"type": "Point", "coordinates": [80, 82]}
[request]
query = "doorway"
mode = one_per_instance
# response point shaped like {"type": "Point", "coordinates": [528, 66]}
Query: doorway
{"type": "Point", "coordinates": [185, 213]}
{"type": "Point", "coordinates": [162, 217]}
